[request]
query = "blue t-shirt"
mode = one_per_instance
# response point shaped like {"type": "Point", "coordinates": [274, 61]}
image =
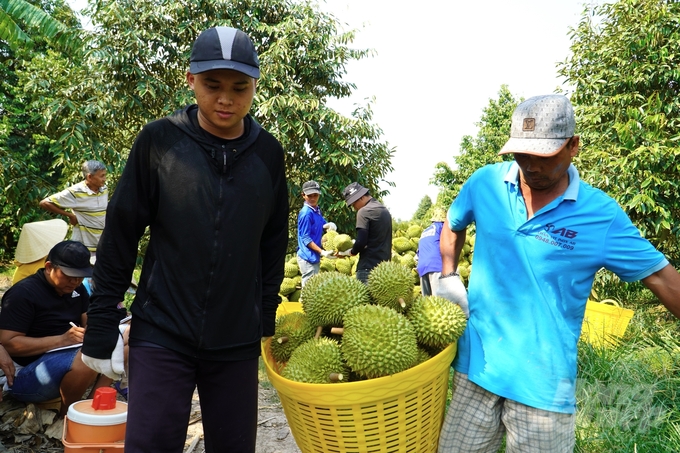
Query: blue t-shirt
{"type": "Point", "coordinates": [429, 256]}
{"type": "Point", "coordinates": [531, 279]}
{"type": "Point", "coordinates": [310, 229]}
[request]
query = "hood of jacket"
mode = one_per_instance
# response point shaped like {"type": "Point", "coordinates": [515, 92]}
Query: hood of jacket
{"type": "Point", "coordinates": [222, 151]}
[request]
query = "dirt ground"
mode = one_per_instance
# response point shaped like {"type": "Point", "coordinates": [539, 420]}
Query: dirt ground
{"type": "Point", "coordinates": [273, 433]}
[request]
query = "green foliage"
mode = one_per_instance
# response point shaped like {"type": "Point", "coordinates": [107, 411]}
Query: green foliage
{"type": "Point", "coordinates": [475, 152]}
{"type": "Point", "coordinates": [424, 208]}
{"type": "Point", "coordinates": [624, 67]}
{"type": "Point", "coordinates": [132, 70]}
{"type": "Point", "coordinates": [21, 22]}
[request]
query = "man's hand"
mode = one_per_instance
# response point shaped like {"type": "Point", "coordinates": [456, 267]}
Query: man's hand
{"type": "Point", "coordinates": [327, 253]}
{"type": "Point", "coordinates": [113, 367]}
{"type": "Point", "coordinates": [7, 366]}
{"type": "Point", "coordinates": [347, 252]}
{"type": "Point", "coordinates": [330, 226]}
{"type": "Point", "coordinates": [450, 287]}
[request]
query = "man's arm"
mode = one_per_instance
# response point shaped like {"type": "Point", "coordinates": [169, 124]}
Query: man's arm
{"type": "Point", "coordinates": [18, 344]}
{"type": "Point", "coordinates": [665, 284]}
{"type": "Point", "coordinates": [450, 245]}
{"type": "Point", "coordinates": [7, 366]}
{"type": "Point", "coordinates": [47, 205]}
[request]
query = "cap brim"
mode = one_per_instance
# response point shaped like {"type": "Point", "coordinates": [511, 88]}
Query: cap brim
{"type": "Point", "coordinates": [197, 67]}
{"type": "Point", "coordinates": [311, 191]}
{"type": "Point", "coordinates": [359, 193]}
{"type": "Point", "coordinates": [77, 273]}
{"type": "Point", "coordinates": [544, 147]}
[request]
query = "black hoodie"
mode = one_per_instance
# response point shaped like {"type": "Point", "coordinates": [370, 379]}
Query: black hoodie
{"type": "Point", "coordinates": [218, 216]}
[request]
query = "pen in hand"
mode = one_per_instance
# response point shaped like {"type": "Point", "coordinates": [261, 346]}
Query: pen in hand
{"type": "Point", "coordinates": [73, 324]}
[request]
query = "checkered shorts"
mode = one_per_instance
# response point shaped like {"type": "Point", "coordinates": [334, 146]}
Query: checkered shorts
{"type": "Point", "coordinates": [477, 420]}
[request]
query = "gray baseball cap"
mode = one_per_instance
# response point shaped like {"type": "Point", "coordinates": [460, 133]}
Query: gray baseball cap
{"type": "Point", "coordinates": [311, 187]}
{"type": "Point", "coordinates": [353, 192]}
{"type": "Point", "coordinates": [224, 48]}
{"type": "Point", "coordinates": [541, 126]}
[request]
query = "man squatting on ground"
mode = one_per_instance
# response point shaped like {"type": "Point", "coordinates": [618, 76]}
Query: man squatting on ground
{"type": "Point", "coordinates": [210, 182]}
{"type": "Point", "coordinates": [541, 236]}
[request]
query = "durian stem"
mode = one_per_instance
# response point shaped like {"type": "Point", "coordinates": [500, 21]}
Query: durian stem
{"type": "Point", "coordinates": [318, 332]}
{"type": "Point", "coordinates": [335, 377]}
{"type": "Point", "coordinates": [282, 340]}
{"type": "Point", "coordinates": [337, 330]}
{"type": "Point", "coordinates": [402, 302]}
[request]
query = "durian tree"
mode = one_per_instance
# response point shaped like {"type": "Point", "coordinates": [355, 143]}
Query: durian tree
{"type": "Point", "coordinates": [624, 70]}
{"type": "Point", "coordinates": [133, 71]}
{"type": "Point", "coordinates": [475, 152]}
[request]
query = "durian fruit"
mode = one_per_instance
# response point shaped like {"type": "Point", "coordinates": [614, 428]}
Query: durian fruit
{"type": "Point", "coordinates": [408, 260]}
{"type": "Point", "coordinates": [317, 361]}
{"type": "Point", "coordinates": [344, 266]}
{"type": "Point", "coordinates": [327, 296]}
{"type": "Point", "coordinates": [342, 242]}
{"type": "Point", "coordinates": [287, 286]}
{"type": "Point", "coordinates": [401, 244]}
{"type": "Point", "coordinates": [295, 295]}
{"type": "Point", "coordinates": [414, 231]}
{"type": "Point", "coordinates": [290, 270]}
{"type": "Point", "coordinates": [438, 322]}
{"type": "Point", "coordinates": [328, 240]}
{"type": "Point", "coordinates": [326, 265]}
{"type": "Point", "coordinates": [391, 285]}
{"type": "Point", "coordinates": [377, 341]}
{"type": "Point", "coordinates": [423, 356]}
{"type": "Point", "coordinates": [292, 329]}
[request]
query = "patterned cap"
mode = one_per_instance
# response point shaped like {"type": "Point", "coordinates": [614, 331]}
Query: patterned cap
{"type": "Point", "coordinates": [541, 126]}
{"type": "Point", "coordinates": [353, 192]}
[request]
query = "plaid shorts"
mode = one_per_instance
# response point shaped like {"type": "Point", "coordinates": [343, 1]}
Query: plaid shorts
{"type": "Point", "coordinates": [477, 420]}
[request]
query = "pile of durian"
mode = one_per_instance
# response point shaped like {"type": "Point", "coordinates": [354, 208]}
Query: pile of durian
{"type": "Point", "coordinates": [349, 331]}
{"type": "Point", "coordinates": [404, 247]}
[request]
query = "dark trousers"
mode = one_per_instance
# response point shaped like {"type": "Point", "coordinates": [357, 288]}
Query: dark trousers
{"type": "Point", "coordinates": [162, 384]}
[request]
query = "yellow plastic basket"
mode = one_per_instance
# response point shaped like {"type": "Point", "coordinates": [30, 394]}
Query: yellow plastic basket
{"type": "Point", "coordinates": [398, 413]}
{"type": "Point", "coordinates": [285, 308]}
{"type": "Point", "coordinates": [605, 322]}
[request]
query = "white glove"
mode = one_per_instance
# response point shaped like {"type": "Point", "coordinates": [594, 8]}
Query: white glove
{"type": "Point", "coordinates": [330, 226]}
{"type": "Point", "coordinates": [347, 252]}
{"type": "Point", "coordinates": [327, 253]}
{"type": "Point", "coordinates": [114, 367]}
{"type": "Point", "coordinates": [451, 288]}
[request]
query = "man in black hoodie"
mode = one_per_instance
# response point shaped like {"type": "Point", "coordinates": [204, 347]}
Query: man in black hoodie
{"type": "Point", "coordinates": [209, 182]}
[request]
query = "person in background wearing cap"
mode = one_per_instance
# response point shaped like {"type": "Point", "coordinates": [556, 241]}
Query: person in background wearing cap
{"type": "Point", "coordinates": [210, 183]}
{"type": "Point", "coordinates": [429, 266]}
{"type": "Point", "coordinates": [311, 226]}
{"type": "Point", "coordinates": [373, 242]}
{"type": "Point", "coordinates": [86, 202]}
{"type": "Point", "coordinates": [541, 235]}
{"type": "Point", "coordinates": [46, 311]}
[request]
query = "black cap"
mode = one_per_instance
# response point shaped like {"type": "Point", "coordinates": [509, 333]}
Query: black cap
{"type": "Point", "coordinates": [311, 187]}
{"type": "Point", "coordinates": [72, 257]}
{"type": "Point", "coordinates": [224, 48]}
{"type": "Point", "coordinates": [353, 192]}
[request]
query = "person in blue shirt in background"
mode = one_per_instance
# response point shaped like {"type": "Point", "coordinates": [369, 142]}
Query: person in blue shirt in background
{"type": "Point", "coordinates": [429, 257]}
{"type": "Point", "coordinates": [541, 236]}
{"type": "Point", "coordinates": [311, 226]}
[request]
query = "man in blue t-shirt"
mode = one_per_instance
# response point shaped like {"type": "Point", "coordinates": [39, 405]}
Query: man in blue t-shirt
{"type": "Point", "coordinates": [429, 266]}
{"type": "Point", "coordinates": [541, 236]}
{"type": "Point", "coordinates": [311, 226]}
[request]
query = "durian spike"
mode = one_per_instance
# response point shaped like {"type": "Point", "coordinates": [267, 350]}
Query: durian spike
{"type": "Point", "coordinates": [318, 332]}
{"type": "Point", "coordinates": [402, 302]}
{"type": "Point", "coordinates": [282, 340]}
{"type": "Point", "coordinates": [337, 330]}
{"type": "Point", "coordinates": [335, 377]}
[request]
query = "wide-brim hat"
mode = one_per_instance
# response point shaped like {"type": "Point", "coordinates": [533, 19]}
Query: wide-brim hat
{"type": "Point", "coordinates": [353, 192]}
{"type": "Point", "coordinates": [37, 239]}
{"type": "Point", "coordinates": [541, 126]}
{"type": "Point", "coordinates": [438, 215]}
